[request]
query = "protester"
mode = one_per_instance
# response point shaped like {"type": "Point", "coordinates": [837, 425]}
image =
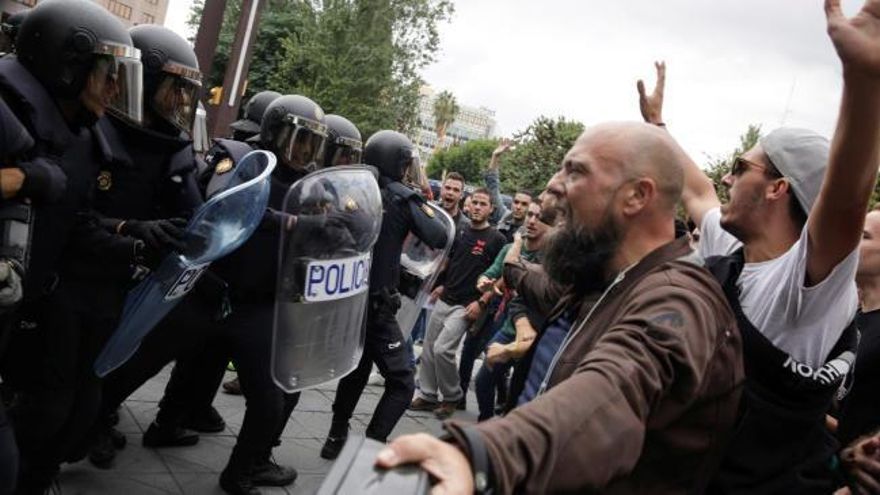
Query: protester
{"type": "Point", "coordinates": [459, 305]}
{"type": "Point", "coordinates": [506, 221]}
{"type": "Point", "coordinates": [642, 392]}
{"type": "Point", "coordinates": [512, 340]}
{"type": "Point", "coordinates": [860, 411]}
{"type": "Point", "coordinates": [789, 237]}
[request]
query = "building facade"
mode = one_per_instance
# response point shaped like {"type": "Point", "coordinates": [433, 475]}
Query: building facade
{"type": "Point", "coordinates": [131, 12]}
{"type": "Point", "coordinates": [471, 123]}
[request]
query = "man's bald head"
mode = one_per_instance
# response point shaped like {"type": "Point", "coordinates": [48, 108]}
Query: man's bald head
{"type": "Point", "coordinates": [636, 150]}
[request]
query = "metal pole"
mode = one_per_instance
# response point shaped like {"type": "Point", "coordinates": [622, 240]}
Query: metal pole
{"type": "Point", "coordinates": [237, 69]}
{"type": "Point", "coordinates": [206, 45]}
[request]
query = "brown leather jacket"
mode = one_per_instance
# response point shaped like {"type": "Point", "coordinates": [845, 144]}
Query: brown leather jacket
{"type": "Point", "coordinates": [643, 396]}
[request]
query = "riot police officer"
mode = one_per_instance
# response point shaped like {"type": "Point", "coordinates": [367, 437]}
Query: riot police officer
{"type": "Point", "coordinates": [74, 61]}
{"type": "Point", "coordinates": [145, 190]}
{"type": "Point", "coordinates": [249, 127]}
{"type": "Point", "coordinates": [186, 335]}
{"type": "Point", "coordinates": [405, 211]}
{"type": "Point", "coordinates": [344, 145]}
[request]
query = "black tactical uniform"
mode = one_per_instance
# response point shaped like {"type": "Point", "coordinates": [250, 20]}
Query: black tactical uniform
{"type": "Point", "coordinates": [147, 178]}
{"type": "Point", "coordinates": [65, 49]}
{"type": "Point", "coordinates": [405, 211]}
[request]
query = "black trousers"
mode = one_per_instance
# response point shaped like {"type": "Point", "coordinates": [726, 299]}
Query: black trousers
{"type": "Point", "coordinates": [50, 365]}
{"type": "Point", "coordinates": [245, 336]}
{"type": "Point", "coordinates": [8, 455]}
{"type": "Point", "coordinates": [183, 335]}
{"type": "Point", "coordinates": [384, 346]}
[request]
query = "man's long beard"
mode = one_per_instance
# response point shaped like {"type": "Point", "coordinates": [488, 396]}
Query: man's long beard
{"type": "Point", "coordinates": [578, 258]}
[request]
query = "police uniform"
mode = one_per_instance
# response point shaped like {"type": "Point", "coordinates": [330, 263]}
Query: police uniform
{"type": "Point", "coordinates": [404, 211]}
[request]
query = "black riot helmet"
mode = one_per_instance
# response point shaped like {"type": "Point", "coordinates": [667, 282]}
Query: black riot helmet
{"type": "Point", "coordinates": [391, 152]}
{"type": "Point", "coordinates": [9, 29]}
{"type": "Point", "coordinates": [344, 145]}
{"type": "Point", "coordinates": [293, 128]}
{"type": "Point", "coordinates": [172, 80]}
{"type": "Point", "coordinates": [79, 51]}
{"type": "Point", "coordinates": [249, 126]}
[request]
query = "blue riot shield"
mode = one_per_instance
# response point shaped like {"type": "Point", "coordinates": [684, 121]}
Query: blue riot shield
{"type": "Point", "coordinates": [220, 226]}
{"type": "Point", "coordinates": [420, 266]}
{"type": "Point", "coordinates": [323, 276]}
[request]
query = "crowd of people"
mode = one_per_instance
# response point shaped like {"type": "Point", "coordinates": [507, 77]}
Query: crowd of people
{"type": "Point", "coordinates": [621, 352]}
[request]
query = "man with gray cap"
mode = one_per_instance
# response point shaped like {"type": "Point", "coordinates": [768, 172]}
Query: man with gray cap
{"type": "Point", "coordinates": [785, 249]}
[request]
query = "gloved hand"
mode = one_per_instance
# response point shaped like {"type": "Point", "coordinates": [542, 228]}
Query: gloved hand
{"type": "Point", "coordinates": [158, 235]}
{"type": "Point", "coordinates": [43, 180]}
{"type": "Point", "coordinates": [10, 286]}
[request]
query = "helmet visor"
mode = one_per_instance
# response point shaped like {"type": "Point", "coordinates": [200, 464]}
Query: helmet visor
{"type": "Point", "coordinates": [347, 152]}
{"type": "Point", "coordinates": [176, 101]}
{"type": "Point", "coordinates": [301, 143]}
{"type": "Point", "coordinates": [116, 80]}
{"type": "Point", "coordinates": [413, 174]}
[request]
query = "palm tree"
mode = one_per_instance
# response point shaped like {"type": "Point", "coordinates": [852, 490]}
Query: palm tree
{"type": "Point", "coordinates": [445, 111]}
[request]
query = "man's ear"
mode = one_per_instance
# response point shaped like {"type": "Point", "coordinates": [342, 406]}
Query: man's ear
{"type": "Point", "coordinates": [777, 189]}
{"type": "Point", "coordinates": [638, 194]}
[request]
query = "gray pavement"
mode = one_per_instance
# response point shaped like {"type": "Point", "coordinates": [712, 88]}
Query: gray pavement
{"type": "Point", "coordinates": [195, 470]}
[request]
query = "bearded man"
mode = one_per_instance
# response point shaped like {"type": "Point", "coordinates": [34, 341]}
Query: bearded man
{"type": "Point", "coordinates": [635, 379]}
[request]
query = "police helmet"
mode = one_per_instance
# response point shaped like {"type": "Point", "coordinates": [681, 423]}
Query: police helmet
{"type": "Point", "coordinates": [253, 113]}
{"type": "Point", "coordinates": [344, 145]}
{"type": "Point", "coordinates": [391, 152]}
{"type": "Point", "coordinates": [78, 50]}
{"type": "Point", "coordinates": [172, 79]}
{"type": "Point", "coordinates": [293, 128]}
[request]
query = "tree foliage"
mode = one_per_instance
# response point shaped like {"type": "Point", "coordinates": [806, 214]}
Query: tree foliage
{"type": "Point", "coordinates": [538, 154]}
{"type": "Point", "coordinates": [469, 159]}
{"type": "Point", "coordinates": [445, 112]}
{"type": "Point", "coordinates": [357, 58]}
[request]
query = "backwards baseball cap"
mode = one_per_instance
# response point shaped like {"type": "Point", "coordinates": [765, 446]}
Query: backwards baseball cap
{"type": "Point", "coordinates": [801, 156]}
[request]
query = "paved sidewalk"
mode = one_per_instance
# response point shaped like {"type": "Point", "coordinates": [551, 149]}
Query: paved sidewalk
{"type": "Point", "coordinates": [195, 470]}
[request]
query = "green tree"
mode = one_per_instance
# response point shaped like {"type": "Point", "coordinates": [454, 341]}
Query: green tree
{"type": "Point", "coordinates": [469, 159]}
{"type": "Point", "coordinates": [358, 58]}
{"type": "Point", "coordinates": [538, 154]}
{"type": "Point", "coordinates": [445, 112]}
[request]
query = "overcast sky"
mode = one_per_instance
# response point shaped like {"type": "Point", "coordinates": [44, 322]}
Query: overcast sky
{"type": "Point", "coordinates": [730, 63]}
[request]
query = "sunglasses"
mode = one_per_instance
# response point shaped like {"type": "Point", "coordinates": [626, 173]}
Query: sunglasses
{"type": "Point", "coordinates": [741, 165]}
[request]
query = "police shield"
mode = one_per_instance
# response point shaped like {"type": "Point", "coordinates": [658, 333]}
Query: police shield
{"type": "Point", "coordinates": [419, 267]}
{"type": "Point", "coordinates": [323, 276]}
{"type": "Point", "coordinates": [220, 226]}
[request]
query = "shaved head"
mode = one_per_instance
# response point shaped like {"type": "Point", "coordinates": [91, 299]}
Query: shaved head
{"type": "Point", "coordinates": [637, 150]}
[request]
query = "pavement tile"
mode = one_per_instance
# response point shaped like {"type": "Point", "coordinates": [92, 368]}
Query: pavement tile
{"type": "Point", "coordinates": [76, 480]}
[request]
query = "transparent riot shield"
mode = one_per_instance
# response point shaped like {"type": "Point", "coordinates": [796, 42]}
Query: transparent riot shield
{"type": "Point", "coordinates": [220, 226]}
{"type": "Point", "coordinates": [419, 267]}
{"type": "Point", "coordinates": [324, 273]}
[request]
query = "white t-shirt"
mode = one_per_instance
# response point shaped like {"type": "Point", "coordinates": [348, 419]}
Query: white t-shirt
{"type": "Point", "coordinates": [805, 322]}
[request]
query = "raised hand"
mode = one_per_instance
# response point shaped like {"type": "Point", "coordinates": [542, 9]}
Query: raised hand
{"type": "Point", "coordinates": [857, 40]}
{"type": "Point", "coordinates": [652, 105]}
{"type": "Point", "coordinates": [503, 147]}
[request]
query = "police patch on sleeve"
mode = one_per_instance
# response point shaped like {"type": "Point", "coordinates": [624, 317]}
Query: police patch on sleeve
{"type": "Point", "coordinates": [350, 204]}
{"type": "Point", "coordinates": [224, 166]}
{"type": "Point", "coordinates": [428, 211]}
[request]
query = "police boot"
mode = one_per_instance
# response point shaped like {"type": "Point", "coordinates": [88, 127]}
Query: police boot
{"type": "Point", "coordinates": [266, 472]}
{"type": "Point", "coordinates": [106, 442]}
{"type": "Point", "coordinates": [235, 478]}
{"type": "Point", "coordinates": [335, 440]}
{"type": "Point", "coordinates": [169, 436]}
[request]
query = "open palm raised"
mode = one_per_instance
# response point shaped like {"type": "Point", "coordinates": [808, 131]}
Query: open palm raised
{"type": "Point", "coordinates": [856, 39]}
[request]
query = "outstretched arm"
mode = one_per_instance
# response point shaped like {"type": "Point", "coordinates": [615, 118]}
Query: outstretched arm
{"type": "Point", "coordinates": [699, 194]}
{"type": "Point", "coordinates": [836, 221]}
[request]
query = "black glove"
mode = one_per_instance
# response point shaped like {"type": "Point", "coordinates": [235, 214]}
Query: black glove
{"type": "Point", "coordinates": [43, 180]}
{"type": "Point", "coordinates": [158, 235]}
